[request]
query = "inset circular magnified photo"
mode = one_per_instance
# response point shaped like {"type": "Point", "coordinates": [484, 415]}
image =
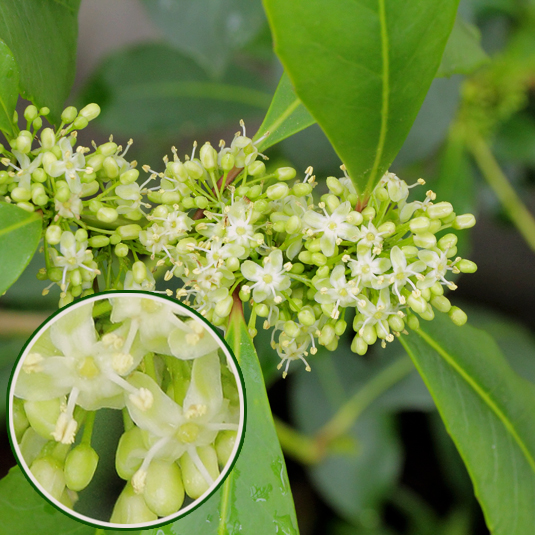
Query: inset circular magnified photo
{"type": "Point", "coordinates": [126, 410]}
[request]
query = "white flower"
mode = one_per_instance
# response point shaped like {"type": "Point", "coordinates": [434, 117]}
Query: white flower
{"type": "Point", "coordinates": [333, 227]}
{"type": "Point", "coordinates": [239, 229]}
{"type": "Point", "coordinates": [402, 273]}
{"type": "Point", "coordinates": [70, 209]}
{"type": "Point", "coordinates": [192, 341]}
{"type": "Point", "coordinates": [74, 255]}
{"type": "Point", "coordinates": [377, 314]}
{"type": "Point", "coordinates": [72, 163]}
{"type": "Point", "coordinates": [154, 239]}
{"type": "Point", "coordinates": [24, 173]}
{"type": "Point", "coordinates": [397, 188]}
{"type": "Point", "coordinates": [337, 290]}
{"type": "Point", "coordinates": [438, 264]}
{"type": "Point", "coordinates": [370, 236]}
{"type": "Point", "coordinates": [269, 280]}
{"type": "Point", "coordinates": [368, 268]}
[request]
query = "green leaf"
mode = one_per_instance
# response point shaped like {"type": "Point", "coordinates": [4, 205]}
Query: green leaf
{"type": "Point", "coordinates": [286, 116]}
{"type": "Point", "coordinates": [488, 411]}
{"type": "Point", "coordinates": [208, 31]}
{"type": "Point", "coordinates": [139, 96]}
{"type": "Point", "coordinates": [23, 510]}
{"type": "Point", "coordinates": [463, 53]}
{"type": "Point", "coordinates": [20, 233]}
{"type": "Point", "coordinates": [364, 464]}
{"type": "Point", "coordinates": [9, 90]}
{"type": "Point", "coordinates": [9, 351]}
{"type": "Point", "coordinates": [256, 497]}
{"type": "Point", "coordinates": [362, 68]}
{"type": "Point", "coordinates": [42, 37]}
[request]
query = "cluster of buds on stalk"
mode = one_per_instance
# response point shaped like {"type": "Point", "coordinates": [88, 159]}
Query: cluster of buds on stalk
{"type": "Point", "coordinates": [225, 225]}
{"type": "Point", "coordinates": [167, 374]}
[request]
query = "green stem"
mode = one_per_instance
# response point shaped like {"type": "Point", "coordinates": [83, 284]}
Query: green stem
{"type": "Point", "coordinates": [88, 427]}
{"type": "Point", "coordinates": [517, 212]}
{"type": "Point", "coordinates": [300, 447]}
{"type": "Point", "coordinates": [150, 370]}
{"type": "Point", "coordinates": [127, 421]}
{"type": "Point", "coordinates": [346, 416]}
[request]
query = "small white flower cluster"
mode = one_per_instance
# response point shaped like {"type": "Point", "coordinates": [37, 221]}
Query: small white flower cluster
{"type": "Point", "coordinates": [132, 353]}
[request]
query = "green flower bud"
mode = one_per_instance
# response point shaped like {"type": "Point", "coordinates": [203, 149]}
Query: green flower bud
{"type": "Point", "coordinates": [257, 168]}
{"type": "Point", "coordinates": [80, 466]}
{"type": "Point", "coordinates": [327, 334]}
{"type": "Point", "coordinates": [354, 218]}
{"type": "Point", "coordinates": [428, 314]}
{"type": "Point", "coordinates": [425, 240]}
{"type": "Point", "coordinates": [67, 299]}
{"type": "Point", "coordinates": [223, 307]}
{"type": "Point", "coordinates": [418, 304]}
{"type": "Point", "coordinates": [332, 345]}
{"type": "Point", "coordinates": [451, 252]}
{"type": "Point", "coordinates": [319, 259]}
{"type": "Point", "coordinates": [94, 206]}
{"type": "Point", "coordinates": [208, 157]}
{"type": "Point", "coordinates": [413, 322]}
{"type": "Point", "coordinates": [23, 144]}
{"type": "Point", "coordinates": [426, 294]}
{"type": "Point", "coordinates": [130, 453]}
{"type": "Point", "coordinates": [80, 123]}
{"type": "Point", "coordinates": [359, 346]}
{"type": "Point", "coordinates": [129, 232]}
{"type": "Point", "coordinates": [89, 189]}
{"type": "Point", "coordinates": [396, 323]}
{"type": "Point", "coordinates": [121, 250]}
{"type": "Point", "coordinates": [435, 226]}
{"type": "Point", "coordinates": [39, 175]}
{"type": "Point", "coordinates": [467, 266]}
{"type": "Point", "coordinates": [37, 123]}
{"type": "Point", "coordinates": [49, 474]}
{"type": "Point", "coordinates": [224, 446]}
{"type": "Point", "coordinates": [297, 268]}
{"type": "Point", "coordinates": [194, 169]}
{"type": "Point", "coordinates": [464, 221]}
{"type": "Point", "coordinates": [340, 327]}
{"type": "Point", "coordinates": [335, 185]}
{"type": "Point", "coordinates": [31, 445]}
{"type": "Point", "coordinates": [40, 199]}
{"type": "Point", "coordinates": [419, 224]}
{"type": "Point", "coordinates": [232, 263]}
{"type": "Point", "coordinates": [244, 296]}
{"type": "Point", "coordinates": [279, 226]}
{"type": "Point", "coordinates": [164, 491]}
{"type": "Point", "coordinates": [95, 162]}
{"type": "Point", "coordinates": [387, 229]}
{"type": "Point", "coordinates": [69, 114]}
{"type": "Point", "coordinates": [368, 213]}
{"type": "Point", "coordinates": [291, 329]}
{"type": "Point", "coordinates": [44, 111]}
{"type": "Point", "coordinates": [314, 246]}
{"type": "Point", "coordinates": [26, 206]}
{"type": "Point", "coordinates": [437, 289]}
{"type": "Point", "coordinates": [75, 276]}
{"type": "Point", "coordinates": [129, 177]}
{"type": "Point", "coordinates": [131, 508]}
{"type": "Point", "coordinates": [441, 303]}
{"type": "Point", "coordinates": [90, 112]}
{"type": "Point", "coordinates": [439, 210]}
{"type": "Point", "coordinates": [457, 316]}
{"type": "Point", "coordinates": [194, 482]}
{"type": "Point", "coordinates": [285, 173]}
{"type": "Point", "coordinates": [278, 191]}
{"type": "Point", "coordinates": [200, 202]}
{"type": "Point", "coordinates": [75, 291]}
{"type": "Point", "coordinates": [447, 241]}
{"type": "Point", "coordinates": [55, 274]}
{"type": "Point", "coordinates": [20, 421]}
{"type": "Point", "coordinates": [21, 194]}
{"type": "Point", "coordinates": [227, 162]}
{"type": "Point", "coordinates": [369, 334]}
{"type": "Point", "coordinates": [107, 149]}
{"type": "Point", "coordinates": [80, 235]}
{"type": "Point", "coordinates": [381, 194]}
{"type": "Point", "coordinates": [30, 113]}
{"type": "Point", "coordinates": [107, 215]}
{"type": "Point", "coordinates": [305, 257]}
{"type": "Point", "coordinates": [43, 415]}
{"type": "Point", "coordinates": [99, 241]}
{"type": "Point", "coordinates": [255, 192]}
{"type": "Point", "coordinates": [293, 225]}
{"type": "Point", "coordinates": [110, 167]}
{"type": "Point", "coordinates": [262, 310]}
{"type": "Point", "coordinates": [4, 177]}
{"type": "Point", "coordinates": [301, 190]}
{"type": "Point", "coordinates": [306, 317]}
{"type": "Point", "coordinates": [261, 205]}
{"type": "Point", "coordinates": [332, 202]}
{"type": "Point", "coordinates": [139, 272]}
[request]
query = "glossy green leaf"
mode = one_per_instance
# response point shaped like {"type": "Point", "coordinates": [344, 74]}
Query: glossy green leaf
{"type": "Point", "coordinates": [20, 233]}
{"type": "Point", "coordinates": [488, 411]}
{"type": "Point", "coordinates": [209, 31]}
{"type": "Point", "coordinates": [286, 116]}
{"type": "Point", "coordinates": [9, 351]}
{"type": "Point", "coordinates": [363, 465]}
{"type": "Point", "coordinates": [463, 53]}
{"type": "Point", "coordinates": [23, 510]}
{"type": "Point", "coordinates": [256, 497]}
{"type": "Point", "coordinates": [139, 96]}
{"type": "Point", "coordinates": [362, 69]}
{"type": "Point", "coordinates": [9, 89]}
{"type": "Point", "coordinates": [42, 37]}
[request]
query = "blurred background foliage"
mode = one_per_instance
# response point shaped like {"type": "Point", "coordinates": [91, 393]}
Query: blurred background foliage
{"type": "Point", "coordinates": [168, 72]}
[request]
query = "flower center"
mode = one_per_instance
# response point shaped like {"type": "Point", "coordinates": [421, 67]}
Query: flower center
{"type": "Point", "coordinates": [332, 226]}
{"type": "Point", "coordinates": [148, 305]}
{"type": "Point", "coordinates": [268, 279]}
{"type": "Point", "coordinates": [188, 432]}
{"type": "Point", "coordinates": [240, 231]}
{"type": "Point", "coordinates": [370, 236]}
{"type": "Point", "coordinates": [88, 368]}
{"type": "Point", "coordinates": [69, 165]}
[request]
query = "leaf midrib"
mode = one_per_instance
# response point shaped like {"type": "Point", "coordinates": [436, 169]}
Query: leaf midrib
{"type": "Point", "coordinates": [20, 224]}
{"type": "Point", "coordinates": [281, 119]}
{"type": "Point", "coordinates": [384, 96]}
{"type": "Point", "coordinates": [479, 391]}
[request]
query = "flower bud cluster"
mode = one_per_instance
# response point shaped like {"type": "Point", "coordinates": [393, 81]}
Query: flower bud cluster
{"type": "Point", "coordinates": [179, 399]}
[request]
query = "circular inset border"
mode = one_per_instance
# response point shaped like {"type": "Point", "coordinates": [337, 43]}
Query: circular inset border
{"type": "Point", "coordinates": [182, 309]}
